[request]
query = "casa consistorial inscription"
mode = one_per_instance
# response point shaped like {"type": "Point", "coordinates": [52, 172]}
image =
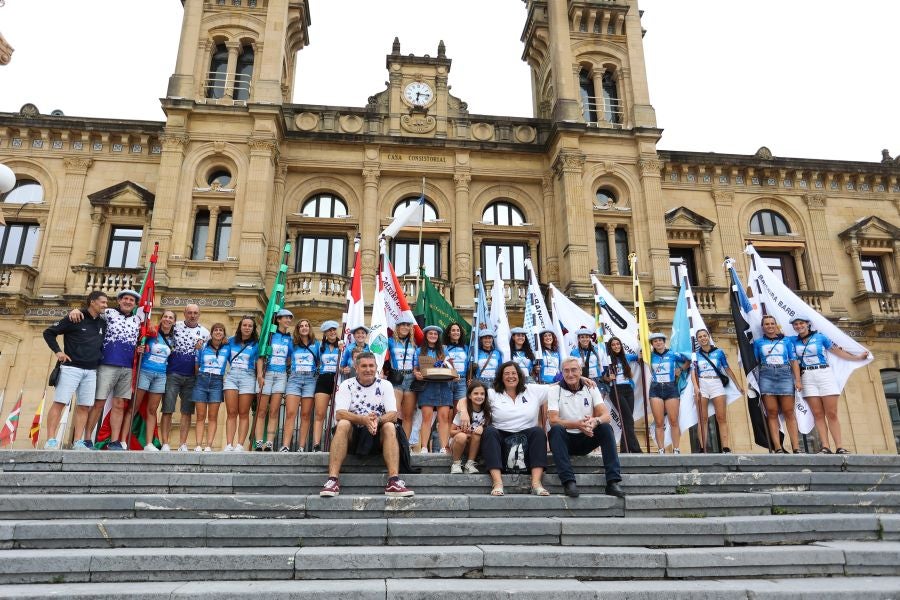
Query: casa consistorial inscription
{"type": "Point", "coordinates": [419, 158]}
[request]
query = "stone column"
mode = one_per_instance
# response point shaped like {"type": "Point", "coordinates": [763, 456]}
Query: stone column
{"type": "Point", "coordinates": [369, 223]}
{"type": "Point", "coordinates": [277, 231]}
{"type": "Point", "coordinates": [56, 268]}
{"type": "Point", "coordinates": [181, 83]}
{"type": "Point", "coordinates": [551, 249]}
{"type": "Point", "coordinates": [566, 107]}
{"type": "Point", "coordinates": [211, 232]}
{"type": "Point", "coordinates": [257, 211]}
{"type": "Point", "coordinates": [611, 244]}
{"type": "Point", "coordinates": [797, 253]}
{"type": "Point", "coordinates": [706, 250]}
{"type": "Point", "coordinates": [896, 257]}
{"type": "Point", "coordinates": [164, 207]}
{"type": "Point", "coordinates": [477, 244]}
{"type": "Point", "coordinates": [444, 273]}
{"type": "Point", "coordinates": [656, 226]}
{"type": "Point", "coordinates": [575, 222]}
{"type": "Point", "coordinates": [623, 87]}
{"type": "Point", "coordinates": [726, 217]}
{"type": "Point", "coordinates": [463, 287]}
{"type": "Point", "coordinates": [853, 251]}
{"type": "Point", "coordinates": [599, 104]}
{"type": "Point", "coordinates": [96, 221]}
{"type": "Point", "coordinates": [830, 280]}
{"type": "Point", "coordinates": [234, 49]}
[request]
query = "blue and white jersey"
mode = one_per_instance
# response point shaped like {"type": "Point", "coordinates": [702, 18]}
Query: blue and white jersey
{"type": "Point", "coordinates": [428, 352]}
{"type": "Point", "coordinates": [810, 352]}
{"type": "Point", "coordinates": [402, 353]}
{"type": "Point", "coordinates": [589, 357]}
{"type": "Point", "coordinates": [213, 361]}
{"type": "Point", "coordinates": [156, 356]}
{"type": "Point", "coordinates": [347, 358]}
{"type": "Point", "coordinates": [487, 363]}
{"type": "Point", "coordinates": [184, 350]}
{"type": "Point", "coordinates": [705, 365]}
{"type": "Point", "coordinates": [550, 366]}
{"type": "Point", "coordinates": [621, 378]}
{"type": "Point", "coordinates": [282, 346]}
{"type": "Point", "coordinates": [520, 358]}
{"type": "Point", "coordinates": [243, 355]}
{"type": "Point", "coordinates": [328, 358]}
{"type": "Point", "coordinates": [305, 358]}
{"type": "Point", "coordinates": [663, 366]}
{"type": "Point", "coordinates": [460, 356]}
{"type": "Point", "coordinates": [121, 338]}
{"type": "Point", "coordinates": [773, 351]}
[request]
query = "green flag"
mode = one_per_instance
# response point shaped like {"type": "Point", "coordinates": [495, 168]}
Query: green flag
{"type": "Point", "coordinates": [435, 310]}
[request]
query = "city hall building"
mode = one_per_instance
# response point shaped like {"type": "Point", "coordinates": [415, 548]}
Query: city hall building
{"type": "Point", "coordinates": [236, 169]}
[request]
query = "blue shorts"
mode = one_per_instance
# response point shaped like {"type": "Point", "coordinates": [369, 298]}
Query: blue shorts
{"type": "Point", "coordinates": [241, 380]}
{"type": "Point", "coordinates": [208, 388]}
{"type": "Point", "coordinates": [665, 391]}
{"type": "Point", "coordinates": [274, 383]}
{"type": "Point", "coordinates": [436, 393]}
{"type": "Point", "coordinates": [82, 383]}
{"type": "Point", "coordinates": [408, 378]}
{"type": "Point", "coordinates": [458, 388]}
{"type": "Point", "coordinates": [301, 384]}
{"type": "Point", "coordinates": [776, 380]}
{"type": "Point", "coordinates": [155, 383]}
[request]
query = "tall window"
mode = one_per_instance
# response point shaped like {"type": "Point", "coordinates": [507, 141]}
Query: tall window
{"type": "Point", "coordinates": [873, 274]}
{"type": "Point", "coordinates": [588, 96]}
{"type": "Point", "coordinates": [124, 248]}
{"type": "Point", "coordinates": [782, 264]}
{"type": "Point", "coordinates": [430, 211]}
{"type": "Point", "coordinates": [325, 206]}
{"type": "Point", "coordinates": [622, 251]}
{"type": "Point", "coordinates": [890, 379]}
{"type": "Point", "coordinates": [405, 257]}
{"type": "Point", "coordinates": [513, 266]}
{"type": "Point", "coordinates": [768, 222]}
{"type": "Point", "coordinates": [502, 213]}
{"type": "Point", "coordinates": [201, 235]}
{"type": "Point", "coordinates": [611, 106]}
{"type": "Point", "coordinates": [682, 256]}
{"type": "Point", "coordinates": [18, 241]}
{"type": "Point", "coordinates": [321, 255]}
{"type": "Point", "coordinates": [26, 191]}
{"type": "Point", "coordinates": [244, 73]}
{"type": "Point", "coordinates": [223, 236]}
{"type": "Point", "coordinates": [601, 240]}
{"type": "Point", "coordinates": [218, 72]}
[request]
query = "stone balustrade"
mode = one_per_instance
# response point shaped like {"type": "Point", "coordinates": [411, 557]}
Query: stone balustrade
{"type": "Point", "coordinates": [109, 280]}
{"type": "Point", "coordinates": [316, 287]}
{"type": "Point", "coordinates": [17, 279]}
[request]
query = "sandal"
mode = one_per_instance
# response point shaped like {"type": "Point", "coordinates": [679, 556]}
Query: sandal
{"type": "Point", "coordinates": [842, 451]}
{"type": "Point", "coordinates": [497, 490]}
{"type": "Point", "coordinates": [825, 450]}
{"type": "Point", "coordinates": [539, 491]}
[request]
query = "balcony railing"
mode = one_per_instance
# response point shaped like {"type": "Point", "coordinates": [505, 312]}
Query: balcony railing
{"type": "Point", "coordinates": [234, 86]}
{"type": "Point", "coordinates": [878, 307]}
{"type": "Point", "coordinates": [515, 292]}
{"type": "Point", "coordinates": [411, 290]}
{"type": "Point", "coordinates": [817, 300]}
{"type": "Point", "coordinates": [109, 280]}
{"type": "Point", "coordinates": [316, 287]}
{"type": "Point", "coordinates": [603, 112]}
{"type": "Point", "coordinates": [711, 299]}
{"type": "Point", "coordinates": [17, 279]}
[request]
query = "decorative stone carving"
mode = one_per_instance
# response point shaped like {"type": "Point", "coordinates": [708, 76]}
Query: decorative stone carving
{"type": "Point", "coordinates": [260, 145]}
{"type": "Point", "coordinates": [306, 121]}
{"type": "Point", "coordinates": [174, 142]}
{"type": "Point", "coordinates": [483, 132]}
{"type": "Point", "coordinates": [418, 123]}
{"type": "Point", "coordinates": [462, 180]}
{"type": "Point", "coordinates": [723, 197]}
{"type": "Point", "coordinates": [764, 153]}
{"type": "Point", "coordinates": [463, 266]}
{"type": "Point", "coordinates": [568, 162]}
{"type": "Point", "coordinates": [525, 134]}
{"type": "Point", "coordinates": [371, 176]}
{"type": "Point", "coordinates": [816, 201]}
{"type": "Point", "coordinates": [650, 167]}
{"type": "Point", "coordinates": [77, 165]}
{"type": "Point", "coordinates": [351, 123]}
{"type": "Point", "coordinates": [185, 300]}
{"type": "Point", "coordinates": [29, 110]}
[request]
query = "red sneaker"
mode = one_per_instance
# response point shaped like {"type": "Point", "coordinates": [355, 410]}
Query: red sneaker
{"type": "Point", "coordinates": [331, 488]}
{"type": "Point", "coordinates": [396, 488]}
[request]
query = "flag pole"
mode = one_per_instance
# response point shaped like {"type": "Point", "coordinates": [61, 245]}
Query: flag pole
{"type": "Point", "coordinates": [636, 293]}
{"type": "Point", "coordinates": [138, 357]}
{"type": "Point", "coordinates": [600, 331]}
{"type": "Point", "coordinates": [421, 225]}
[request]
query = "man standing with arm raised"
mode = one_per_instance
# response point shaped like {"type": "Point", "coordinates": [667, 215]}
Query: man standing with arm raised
{"type": "Point", "coordinates": [189, 336]}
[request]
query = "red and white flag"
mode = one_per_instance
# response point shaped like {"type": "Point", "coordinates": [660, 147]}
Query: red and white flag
{"type": "Point", "coordinates": [355, 304]}
{"type": "Point", "coordinates": [8, 433]}
{"type": "Point", "coordinates": [395, 304]}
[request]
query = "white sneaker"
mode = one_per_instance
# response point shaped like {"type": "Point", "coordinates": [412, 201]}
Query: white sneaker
{"type": "Point", "coordinates": [471, 468]}
{"type": "Point", "coordinates": [677, 450]}
{"type": "Point", "coordinates": [423, 451]}
{"type": "Point", "coordinates": [183, 448]}
{"type": "Point", "coordinates": [197, 449]}
{"type": "Point", "coordinates": [165, 448]}
{"type": "Point", "coordinates": [208, 449]}
{"type": "Point", "coordinates": [238, 448]}
{"type": "Point", "coordinates": [661, 451]}
{"type": "Point", "coordinates": [442, 451]}
{"type": "Point", "coordinates": [456, 468]}
{"type": "Point", "coordinates": [151, 448]}
{"type": "Point", "coordinates": [228, 448]}
{"type": "Point", "coordinates": [51, 444]}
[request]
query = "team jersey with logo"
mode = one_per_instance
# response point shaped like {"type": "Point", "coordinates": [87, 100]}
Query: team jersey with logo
{"type": "Point", "coordinates": [705, 365]}
{"type": "Point", "coordinates": [591, 358]}
{"type": "Point", "coordinates": [402, 353]}
{"type": "Point", "coordinates": [213, 361]}
{"type": "Point", "coordinates": [520, 358]}
{"type": "Point", "coordinates": [663, 365]}
{"type": "Point", "coordinates": [621, 378]}
{"type": "Point", "coordinates": [773, 351]}
{"type": "Point", "coordinates": [486, 364]}
{"type": "Point", "coordinates": [156, 356]}
{"type": "Point", "coordinates": [550, 364]}
{"type": "Point", "coordinates": [810, 352]}
{"type": "Point", "coordinates": [305, 358]}
{"type": "Point", "coordinates": [243, 354]}
{"type": "Point", "coordinates": [120, 339]}
{"type": "Point", "coordinates": [282, 345]}
{"type": "Point", "coordinates": [328, 359]}
{"type": "Point", "coordinates": [460, 356]}
{"type": "Point", "coordinates": [184, 350]}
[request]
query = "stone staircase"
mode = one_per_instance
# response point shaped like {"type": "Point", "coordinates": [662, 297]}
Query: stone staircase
{"type": "Point", "coordinates": [216, 525]}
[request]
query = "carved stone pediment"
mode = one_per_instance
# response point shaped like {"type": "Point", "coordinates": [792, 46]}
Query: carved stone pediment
{"type": "Point", "coordinates": [125, 194]}
{"type": "Point", "coordinates": [683, 218]}
{"type": "Point", "coordinates": [871, 228]}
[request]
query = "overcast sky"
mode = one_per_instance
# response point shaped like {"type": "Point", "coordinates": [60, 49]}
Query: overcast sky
{"type": "Point", "coordinates": [808, 78]}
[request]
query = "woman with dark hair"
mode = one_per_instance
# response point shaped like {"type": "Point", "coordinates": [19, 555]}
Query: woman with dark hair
{"type": "Point", "coordinates": [666, 366]}
{"type": "Point", "coordinates": [779, 376]}
{"type": "Point", "coordinates": [618, 376]}
{"type": "Point", "coordinates": [301, 385]}
{"type": "Point", "coordinates": [457, 349]}
{"type": "Point", "coordinates": [469, 438]}
{"type": "Point", "coordinates": [402, 350]}
{"type": "Point", "coordinates": [818, 385]}
{"type": "Point", "coordinates": [434, 394]}
{"type": "Point", "coordinates": [274, 383]}
{"type": "Point", "coordinates": [152, 376]}
{"type": "Point", "coordinates": [711, 362]}
{"type": "Point", "coordinates": [487, 358]}
{"type": "Point", "coordinates": [329, 356]}
{"type": "Point", "coordinates": [551, 358]}
{"type": "Point", "coordinates": [521, 352]}
{"type": "Point", "coordinates": [212, 359]}
{"type": "Point", "coordinates": [243, 381]}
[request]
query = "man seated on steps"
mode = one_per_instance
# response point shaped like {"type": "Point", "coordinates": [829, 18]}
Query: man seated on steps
{"type": "Point", "coordinates": [580, 422]}
{"type": "Point", "coordinates": [366, 413]}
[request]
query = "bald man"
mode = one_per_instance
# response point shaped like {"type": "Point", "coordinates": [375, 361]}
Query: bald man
{"type": "Point", "coordinates": [189, 335]}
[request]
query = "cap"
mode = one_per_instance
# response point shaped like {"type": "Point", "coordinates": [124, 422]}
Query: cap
{"type": "Point", "coordinates": [433, 328]}
{"type": "Point", "coordinates": [657, 336]}
{"type": "Point", "coordinates": [358, 327]}
{"type": "Point", "coordinates": [328, 325]}
{"type": "Point", "coordinates": [131, 293]}
{"type": "Point", "coordinates": [584, 331]}
{"type": "Point", "coordinates": [405, 319]}
{"type": "Point", "coordinates": [486, 332]}
{"type": "Point", "coordinates": [284, 313]}
{"type": "Point", "coordinates": [516, 330]}
{"type": "Point", "coordinates": [546, 330]}
{"type": "Point", "coordinates": [799, 317]}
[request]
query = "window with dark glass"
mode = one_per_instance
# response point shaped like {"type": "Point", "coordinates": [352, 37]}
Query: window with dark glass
{"type": "Point", "coordinates": [430, 212]}
{"type": "Point", "coordinates": [768, 222]}
{"type": "Point", "coordinates": [321, 255]}
{"type": "Point", "coordinates": [220, 177]}
{"type": "Point", "coordinates": [18, 242]}
{"type": "Point", "coordinates": [26, 191]}
{"type": "Point", "coordinates": [223, 236]}
{"type": "Point", "coordinates": [588, 96]}
{"type": "Point", "coordinates": [405, 257]}
{"type": "Point", "coordinates": [244, 73]}
{"type": "Point", "coordinates": [783, 266]}
{"type": "Point", "coordinates": [873, 274]}
{"type": "Point", "coordinates": [201, 235]}
{"type": "Point", "coordinates": [324, 206]}
{"type": "Point", "coordinates": [503, 213]}
{"type": "Point", "coordinates": [622, 251]}
{"type": "Point", "coordinates": [601, 240]}
{"type": "Point", "coordinates": [124, 248]}
{"type": "Point", "coordinates": [605, 198]}
{"type": "Point", "coordinates": [682, 256]}
{"type": "Point", "coordinates": [218, 72]}
{"type": "Point", "coordinates": [513, 266]}
{"type": "Point", "coordinates": [611, 105]}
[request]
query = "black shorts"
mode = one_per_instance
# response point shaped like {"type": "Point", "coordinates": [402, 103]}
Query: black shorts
{"type": "Point", "coordinates": [363, 443]}
{"type": "Point", "coordinates": [325, 384]}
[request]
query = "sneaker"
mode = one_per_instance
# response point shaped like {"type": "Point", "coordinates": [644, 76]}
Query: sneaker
{"type": "Point", "coordinates": [228, 448]}
{"type": "Point", "coordinates": [259, 446]}
{"type": "Point", "coordinates": [197, 449]}
{"type": "Point", "coordinates": [423, 451]}
{"type": "Point", "coordinates": [285, 449]}
{"type": "Point", "coordinates": [90, 445]}
{"type": "Point", "coordinates": [268, 447]}
{"type": "Point", "coordinates": [442, 451]}
{"type": "Point", "coordinates": [317, 447]}
{"type": "Point", "coordinates": [80, 445]}
{"type": "Point", "coordinates": [331, 488]}
{"type": "Point", "coordinates": [115, 446]}
{"type": "Point", "coordinates": [151, 448]}
{"type": "Point", "coordinates": [456, 468]}
{"type": "Point", "coordinates": [238, 448]}
{"type": "Point", "coordinates": [51, 444]}
{"type": "Point", "coordinates": [677, 451]}
{"type": "Point", "coordinates": [301, 449]}
{"type": "Point", "coordinates": [396, 488]}
{"type": "Point", "coordinates": [165, 448]}
{"type": "Point", "coordinates": [471, 468]}
{"type": "Point", "coordinates": [208, 449]}
{"type": "Point", "coordinates": [184, 448]}
{"type": "Point", "coordinates": [661, 451]}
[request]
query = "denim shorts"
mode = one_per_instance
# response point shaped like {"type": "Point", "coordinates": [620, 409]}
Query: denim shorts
{"type": "Point", "coordinates": [301, 384]}
{"type": "Point", "coordinates": [274, 383]}
{"type": "Point", "coordinates": [458, 388]}
{"type": "Point", "coordinates": [242, 380]}
{"type": "Point", "coordinates": [155, 383]}
{"type": "Point", "coordinates": [436, 393]}
{"type": "Point", "coordinates": [179, 386]}
{"type": "Point", "coordinates": [74, 381]}
{"type": "Point", "coordinates": [663, 390]}
{"type": "Point", "coordinates": [208, 388]}
{"type": "Point", "coordinates": [776, 380]}
{"type": "Point", "coordinates": [408, 378]}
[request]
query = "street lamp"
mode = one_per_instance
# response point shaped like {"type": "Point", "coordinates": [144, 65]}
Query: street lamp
{"type": "Point", "coordinates": [7, 178]}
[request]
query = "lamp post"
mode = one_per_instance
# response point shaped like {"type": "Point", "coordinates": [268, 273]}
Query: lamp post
{"type": "Point", "coordinates": [7, 178]}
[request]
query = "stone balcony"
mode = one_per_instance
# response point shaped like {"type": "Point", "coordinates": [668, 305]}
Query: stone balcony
{"type": "Point", "coordinates": [410, 286]}
{"type": "Point", "coordinates": [515, 292]}
{"type": "Point", "coordinates": [17, 280]}
{"type": "Point", "coordinates": [880, 310]}
{"type": "Point", "coordinates": [109, 280]}
{"type": "Point", "coordinates": [316, 288]}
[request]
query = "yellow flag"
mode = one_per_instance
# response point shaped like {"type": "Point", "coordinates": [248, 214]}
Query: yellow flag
{"type": "Point", "coordinates": [640, 311]}
{"type": "Point", "coordinates": [35, 432]}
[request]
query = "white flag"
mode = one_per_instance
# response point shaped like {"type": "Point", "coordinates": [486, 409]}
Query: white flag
{"type": "Point", "coordinates": [499, 319]}
{"type": "Point", "coordinates": [413, 214]}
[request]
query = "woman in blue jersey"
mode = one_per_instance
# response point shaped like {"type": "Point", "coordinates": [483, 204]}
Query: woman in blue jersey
{"type": "Point", "coordinates": [487, 358]}
{"type": "Point", "coordinates": [711, 364]}
{"type": "Point", "coordinates": [521, 353]}
{"type": "Point", "coordinates": [435, 395]}
{"type": "Point", "coordinates": [243, 380]}
{"type": "Point", "coordinates": [329, 356]}
{"type": "Point", "coordinates": [551, 358]}
{"type": "Point", "coordinates": [212, 359]}
{"type": "Point", "coordinates": [360, 335]}
{"type": "Point", "coordinates": [779, 377]}
{"type": "Point", "coordinates": [275, 382]}
{"type": "Point", "coordinates": [457, 349]}
{"type": "Point", "coordinates": [617, 374]}
{"type": "Point", "coordinates": [402, 350]}
{"type": "Point", "coordinates": [817, 382]}
{"type": "Point", "coordinates": [590, 358]}
{"type": "Point", "coordinates": [301, 385]}
{"type": "Point", "coordinates": [152, 376]}
{"type": "Point", "coordinates": [666, 367]}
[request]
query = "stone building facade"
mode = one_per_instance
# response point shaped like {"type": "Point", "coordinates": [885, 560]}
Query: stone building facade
{"type": "Point", "coordinates": [236, 169]}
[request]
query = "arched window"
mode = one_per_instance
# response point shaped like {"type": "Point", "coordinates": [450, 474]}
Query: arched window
{"type": "Point", "coordinates": [606, 198]}
{"type": "Point", "coordinates": [26, 191]}
{"type": "Point", "coordinates": [244, 73]}
{"type": "Point", "coordinates": [768, 222]}
{"type": "Point", "coordinates": [218, 72]}
{"type": "Point", "coordinates": [325, 206]}
{"type": "Point", "coordinates": [220, 177]}
{"type": "Point", "coordinates": [612, 107]}
{"type": "Point", "coordinates": [588, 96]}
{"type": "Point", "coordinates": [502, 213]}
{"type": "Point", "coordinates": [430, 211]}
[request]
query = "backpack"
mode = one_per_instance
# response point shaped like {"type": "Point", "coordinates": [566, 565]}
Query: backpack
{"type": "Point", "coordinates": [515, 454]}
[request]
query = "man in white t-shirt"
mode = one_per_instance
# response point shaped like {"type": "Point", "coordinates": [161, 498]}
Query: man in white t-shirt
{"type": "Point", "coordinates": [366, 413]}
{"type": "Point", "coordinates": [580, 422]}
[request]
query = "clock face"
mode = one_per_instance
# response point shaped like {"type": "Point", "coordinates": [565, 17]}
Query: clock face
{"type": "Point", "coordinates": [418, 93]}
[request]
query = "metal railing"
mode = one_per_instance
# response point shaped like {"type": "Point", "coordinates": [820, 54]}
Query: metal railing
{"type": "Point", "coordinates": [219, 84]}
{"type": "Point", "coordinates": [603, 112]}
